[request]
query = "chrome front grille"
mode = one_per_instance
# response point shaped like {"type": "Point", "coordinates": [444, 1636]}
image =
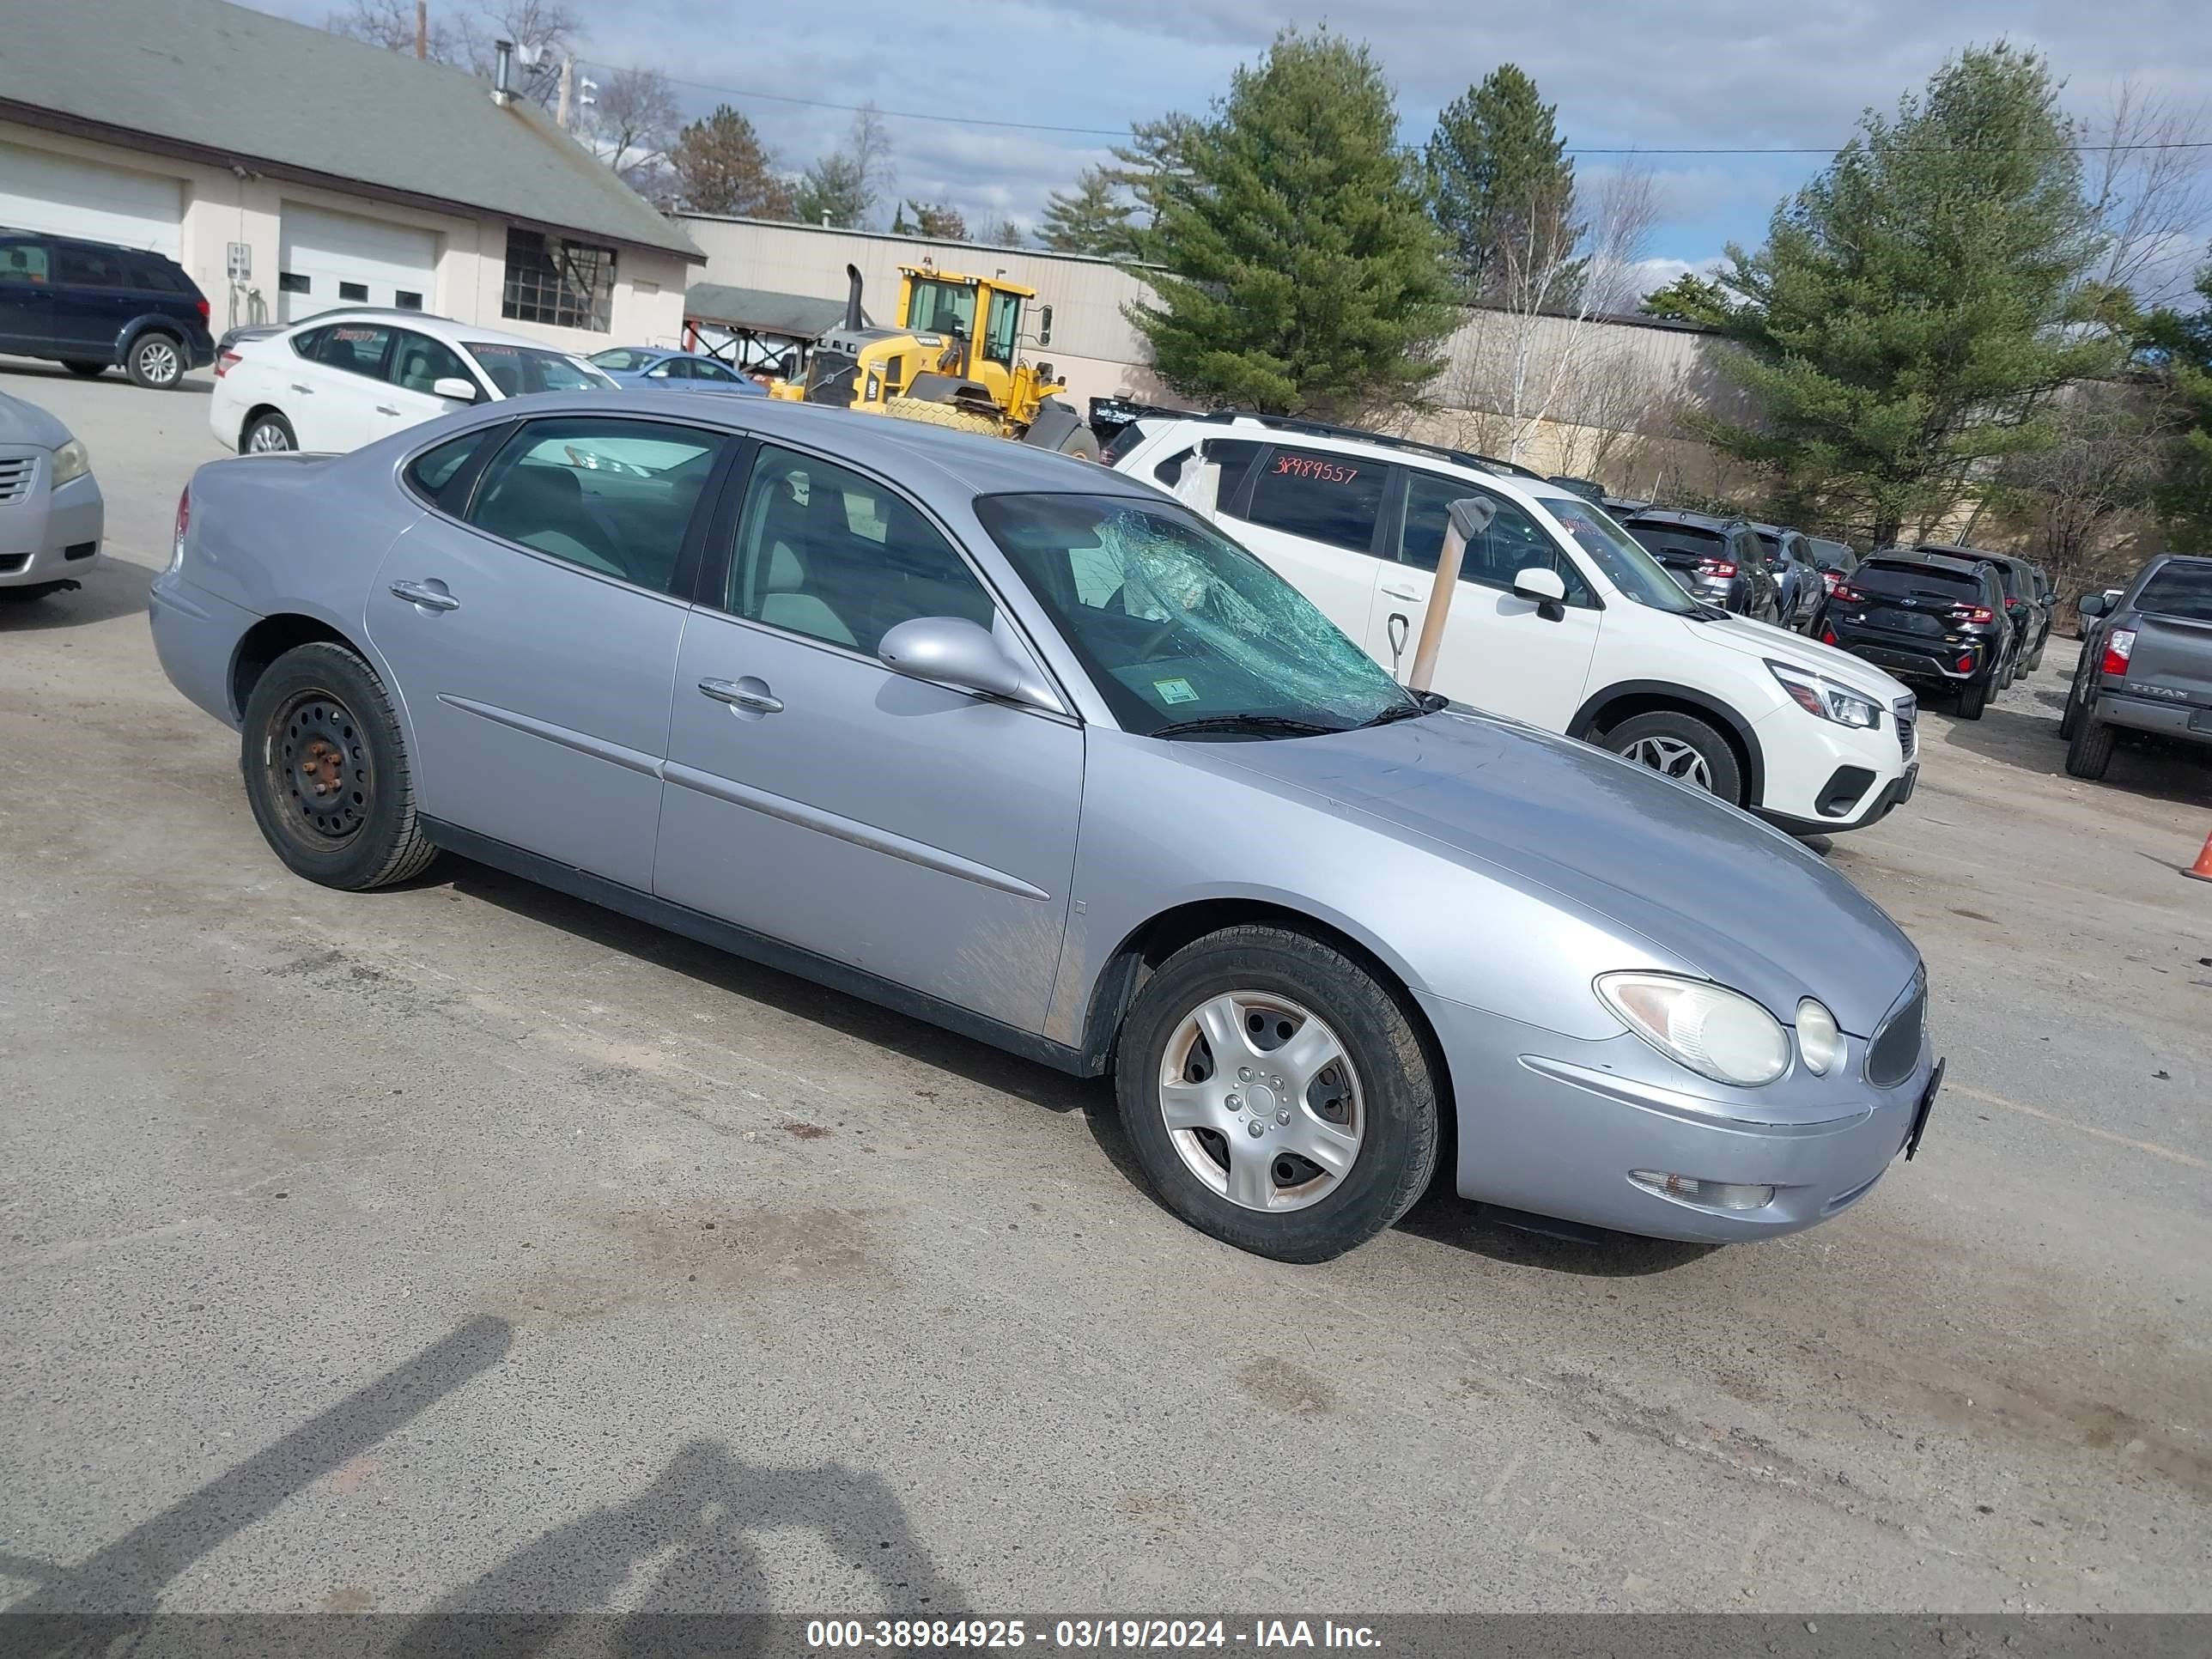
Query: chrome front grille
{"type": "Point", "coordinates": [1895, 1049]}
{"type": "Point", "coordinates": [1907, 715]}
{"type": "Point", "coordinates": [16, 472]}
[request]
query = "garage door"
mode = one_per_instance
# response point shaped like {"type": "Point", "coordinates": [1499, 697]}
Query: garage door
{"type": "Point", "coordinates": [63, 195]}
{"type": "Point", "coordinates": [326, 259]}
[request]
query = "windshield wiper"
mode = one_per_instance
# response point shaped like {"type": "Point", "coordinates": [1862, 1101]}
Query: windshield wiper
{"type": "Point", "coordinates": [1280, 725]}
{"type": "Point", "coordinates": [1422, 702]}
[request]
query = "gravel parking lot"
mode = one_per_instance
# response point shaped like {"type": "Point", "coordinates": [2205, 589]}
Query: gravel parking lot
{"type": "Point", "coordinates": [463, 1246]}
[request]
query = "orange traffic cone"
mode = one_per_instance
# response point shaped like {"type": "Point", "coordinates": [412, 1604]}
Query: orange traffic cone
{"type": "Point", "coordinates": [2202, 870]}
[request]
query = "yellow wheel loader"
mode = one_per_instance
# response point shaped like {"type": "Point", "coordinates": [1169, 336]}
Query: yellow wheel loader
{"type": "Point", "coordinates": [955, 360]}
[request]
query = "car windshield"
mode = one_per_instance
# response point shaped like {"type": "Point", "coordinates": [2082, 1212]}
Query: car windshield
{"type": "Point", "coordinates": [624, 359]}
{"type": "Point", "coordinates": [1175, 623]}
{"type": "Point", "coordinates": [518, 369]}
{"type": "Point", "coordinates": [1641, 579]}
{"type": "Point", "coordinates": [2182, 590]}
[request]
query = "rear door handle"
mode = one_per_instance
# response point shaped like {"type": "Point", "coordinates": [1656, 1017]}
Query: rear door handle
{"type": "Point", "coordinates": [308, 390]}
{"type": "Point", "coordinates": [386, 409]}
{"type": "Point", "coordinates": [1402, 593]}
{"type": "Point", "coordinates": [737, 697]}
{"type": "Point", "coordinates": [430, 598]}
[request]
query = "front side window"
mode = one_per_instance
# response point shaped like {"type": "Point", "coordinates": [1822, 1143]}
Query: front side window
{"type": "Point", "coordinates": [24, 262]}
{"type": "Point", "coordinates": [551, 279]}
{"type": "Point", "coordinates": [419, 363]}
{"type": "Point", "coordinates": [608, 495]}
{"type": "Point", "coordinates": [356, 347]}
{"type": "Point", "coordinates": [938, 307]}
{"type": "Point", "coordinates": [1173, 621]}
{"type": "Point", "coordinates": [516, 370]}
{"type": "Point", "coordinates": [1513, 542]}
{"type": "Point", "coordinates": [825, 552]}
{"type": "Point", "coordinates": [1003, 332]}
{"type": "Point", "coordinates": [1635, 574]}
{"type": "Point", "coordinates": [706, 371]}
{"type": "Point", "coordinates": [623, 360]}
{"type": "Point", "coordinates": [1322, 497]}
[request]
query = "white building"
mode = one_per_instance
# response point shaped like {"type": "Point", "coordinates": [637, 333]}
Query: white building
{"type": "Point", "coordinates": [290, 170]}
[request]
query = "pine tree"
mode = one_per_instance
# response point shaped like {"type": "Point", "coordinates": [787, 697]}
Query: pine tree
{"type": "Point", "coordinates": [1092, 218]}
{"type": "Point", "coordinates": [2184, 344]}
{"type": "Point", "coordinates": [1500, 178]}
{"type": "Point", "coordinates": [1916, 305]}
{"type": "Point", "coordinates": [721, 167]}
{"type": "Point", "coordinates": [833, 193]}
{"type": "Point", "coordinates": [934, 220]}
{"type": "Point", "coordinates": [1690, 298]}
{"type": "Point", "coordinates": [1302, 275]}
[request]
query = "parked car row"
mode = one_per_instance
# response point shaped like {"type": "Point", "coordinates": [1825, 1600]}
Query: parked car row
{"type": "Point", "coordinates": [1961, 619]}
{"type": "Point", "coordinates": [1024, 746]}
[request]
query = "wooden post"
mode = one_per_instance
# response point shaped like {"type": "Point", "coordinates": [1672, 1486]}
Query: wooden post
{"type": "Point", "coordinates": [1470, 517]}
{"type": "Point", "coordinates": [423, 29]}
{"type": "Point", "coordinates": [567, 84]}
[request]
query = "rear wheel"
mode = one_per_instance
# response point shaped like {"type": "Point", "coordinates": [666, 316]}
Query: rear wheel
{"type": "Point", "coordinates": [1972, 699]}
{"type": "Point", "coordinates": [1682, 746]}
{"type": "Point", "coordinates": [154, 361]}
{"type": "Point", "coordinates": [2035, 661]}
{"type": "Point", "coordinates": [1276, 1094]}
{"type": "Point", "coordinates": [326, 771]}
{"type": "Point", "coordinates": [2090, 750]}
{"type": "Point", "coordinates": [89, 370]}
{"type": "Point", "coordinates": [267, 433]}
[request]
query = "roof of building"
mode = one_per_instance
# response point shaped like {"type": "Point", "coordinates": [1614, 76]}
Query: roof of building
{"type": "Point", "coordinates": [219, 82]}
{"type": "Point", "coordinates": [758, 310]}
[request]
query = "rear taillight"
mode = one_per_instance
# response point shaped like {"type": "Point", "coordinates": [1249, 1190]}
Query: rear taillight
{"type": "Point", "coordinates": [205, 310]}
{"type": "Point", "coordinates": [184, 523]}
{"type": "Point", "coordinates": [1848, 594]}
{"type": "Point", "coordinates": [1828, 636]}
{"type": "Point", "coordinates": [223, 363]}
{"type": "Point", "coordinates": [2119, 646]}
{"type": "Point", "coordinates": [1715, 568]}
{"type": "Point", "coordinates": [1831, 579]}
{"type": "Point", "coordinates": [1972, 613]}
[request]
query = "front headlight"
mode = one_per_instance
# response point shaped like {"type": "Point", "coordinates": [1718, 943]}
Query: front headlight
{"type": "Point", "coordinates": [1818, 695]}
{"type": "Point", "coordinates": [70, 461]}
{"type": "Point", "coordinates": [1716, 1032]}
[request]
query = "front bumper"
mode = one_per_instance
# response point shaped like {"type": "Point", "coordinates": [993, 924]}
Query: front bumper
{"type": "Point", "coordinates": [50, 535]}
{"type": "Point", "coordinates": [1822, 777]}
{"type": "Point", "coordinates": [1552, 1125]}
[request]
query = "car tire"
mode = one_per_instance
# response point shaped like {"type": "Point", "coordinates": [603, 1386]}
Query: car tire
{"type": "Point", "coordinates": [2090, 750]}
{"type": "Point", "coordinates": [2070, 715]}
{"type": "Point", "coordinates": [156, 360]}
{"type": "Point", "coordinates": [1972, 699]}
{"type": "Point", "coordinates": [1082, 443]}
{"type": "Point", "coordinates": [267, 433]}
{"type": "Point", "coordinates": [2004, 678]}
{"type": "Point", "coordinates": [1366, 1094]}
{"type": "Point", "coordinates": [1683, 747]}
{"type": "Point", "coordinates": [2035, 661]}
{"type": "Point", "coordinates": [90, 371]}
{"type": "Point", "coordinates": [326, 771]}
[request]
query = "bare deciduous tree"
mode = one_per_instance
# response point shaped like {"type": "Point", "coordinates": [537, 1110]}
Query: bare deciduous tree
{"type": "Point", "coordinates": [467, 36]}
{"type": "Point", "coordinates": [390, 24]}
{"type": "Point", "coordinates": [633, 123]}
{"type": "Point", "coordinates": [2076, 499]}
{"type": "Point", "coordinates": [2151, 194]}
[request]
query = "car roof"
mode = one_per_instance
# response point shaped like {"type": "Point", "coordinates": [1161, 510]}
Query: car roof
{"type": "Point", "coordinates": [1378, 445]}
{"type": "Point", "coordinates": [945, 467]}
{"type": "Point", "coordinates": [87, 241]}
{"type": "Point", "coordinates": [1666, 515]}
{"type": "Point", "coordinates": [437, 328]}
{"type": "Point", "coordinates": [1966, 564]}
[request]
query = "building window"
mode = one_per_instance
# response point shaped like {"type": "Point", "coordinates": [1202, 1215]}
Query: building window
{"type": "Point", "coordinates": [356, 292]}
{"type": "Point", "coordinates": [407, 300]}
{"type": "Point", "coordinates": [551, 280]}
{"type": "Point", "coordinates": [291, 282]}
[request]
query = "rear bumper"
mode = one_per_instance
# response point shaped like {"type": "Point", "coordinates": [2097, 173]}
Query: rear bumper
{"type": "Point", "coordinates": [1912, 661]}
{"type": "Point", "coordinates": [196, 636]}
{"type": "Point", "coordinates": [2167, 720]}
{"type": "Point", "coordinates": [51, 535]}
{"type": "Point", "coordinates": [1553, 1126]}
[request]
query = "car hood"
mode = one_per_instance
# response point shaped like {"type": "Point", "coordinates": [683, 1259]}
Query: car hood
{"type": "Point", "coordinates": [1712, 887]}
{"type": "Point", "coordinates": [1758, 639]}
{"type": "Point", "coordinates": [23, 422]}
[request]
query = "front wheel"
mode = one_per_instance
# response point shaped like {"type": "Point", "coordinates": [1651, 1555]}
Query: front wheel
{"type": "Point", "coordinates": [1685, 748]}
{"type": "Point", "coordinates": [1972, 699]}
{"type": "Point", "coordinates": [326, 771]}
{"type": "Point", "coordinates": [1276, 1094]}
{"type": "Point", "coordinates": [155, 361]}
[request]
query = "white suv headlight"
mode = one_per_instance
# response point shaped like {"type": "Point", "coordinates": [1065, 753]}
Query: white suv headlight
{"type": "Point", "coordinates": [1819, 696]}
{"type": "Point", "coordinates": [1716, 1032]}
{"type": "Point", "coordinates": [70, 461]}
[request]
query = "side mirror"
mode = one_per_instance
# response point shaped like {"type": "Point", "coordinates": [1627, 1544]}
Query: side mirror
{"type": "Point", "coordinates": [2049, 596]}
{"type": "Point", "coordinates": [1044, 326]}
{"type": "Point", "coordinates": [454, 387]}
{"type": "Point", "coordinates": [2093, 604]}
{"type": "Point", "coordinates": [1540, 585]}
{"type": "Point", "coordinates": [952, 652]}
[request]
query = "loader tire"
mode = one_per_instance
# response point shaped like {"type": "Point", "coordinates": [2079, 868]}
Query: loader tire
{"type": "Point", "coordinates": [959, 420]}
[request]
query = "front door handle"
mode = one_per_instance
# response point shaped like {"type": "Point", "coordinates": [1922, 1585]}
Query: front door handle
{"type": "Point", "coordinates": [429, 597]}
{"type": "Point", "coordinates": [739, 696]}
{"type": "Point", "coordinates": [308, 390]}
{"type": "Point", "coordinates": [386, 409]}
{"type": "Point", "coordinates": [1402, 593]}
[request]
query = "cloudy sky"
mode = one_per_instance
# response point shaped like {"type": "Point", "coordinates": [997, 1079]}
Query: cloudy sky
{"type": "Point", "coordinates": [1691, 74]}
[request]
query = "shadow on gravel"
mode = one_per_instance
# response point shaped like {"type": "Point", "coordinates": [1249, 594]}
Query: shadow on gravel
{"type": "Point", "coordinates": [31, 368]}
{"type": "Point", "coordinates": [2022, 730]}
{"type": "Point", "coordinates": [1562, 1247]}
{"type": "Point", "coordinates": [111, 587]}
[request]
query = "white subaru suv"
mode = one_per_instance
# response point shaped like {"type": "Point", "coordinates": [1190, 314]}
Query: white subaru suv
{"type": "Point", "coordinates": [1561, 619]}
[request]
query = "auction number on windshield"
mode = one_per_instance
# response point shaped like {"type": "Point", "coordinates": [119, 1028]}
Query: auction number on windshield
{"type": "Point", "coordinates": [1311, 466]}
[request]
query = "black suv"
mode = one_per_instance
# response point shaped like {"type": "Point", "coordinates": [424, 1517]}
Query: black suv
{"type": "Point", "coordinates": [1719, 561]}
{"type": "Point", "coordinates": [91, 307]}
{"type": "Point", "coordinates": [1927, 616]}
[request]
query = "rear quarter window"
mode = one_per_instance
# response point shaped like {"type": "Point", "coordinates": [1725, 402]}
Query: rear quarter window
{"type": "Point", "coordinates": [1332, 499]}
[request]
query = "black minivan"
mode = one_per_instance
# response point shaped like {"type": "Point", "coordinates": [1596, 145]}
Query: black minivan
{"type": "Point", "coordinates": [92, 307]}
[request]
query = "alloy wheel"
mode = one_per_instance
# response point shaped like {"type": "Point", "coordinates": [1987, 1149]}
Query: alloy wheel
{"type": "Point", "coordinates": [158, 362]}
{"type": "Point", "coordinates": [267, 438]}
{"type": "Point", "coordinates": [1672, 756]}
{"type": "Point", "coordinates": [1261, 1101]}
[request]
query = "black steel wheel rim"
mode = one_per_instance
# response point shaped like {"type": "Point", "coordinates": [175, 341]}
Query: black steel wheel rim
{"type": "Point", "coordinates": [318, 763]}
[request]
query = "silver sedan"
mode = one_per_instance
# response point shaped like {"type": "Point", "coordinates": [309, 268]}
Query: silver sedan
{"type": "Point", "coordinates": [51, 517]}
{"type": "Point", "coordinates": [1028, 749]}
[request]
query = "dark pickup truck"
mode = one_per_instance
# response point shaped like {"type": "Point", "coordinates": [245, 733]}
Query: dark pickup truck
{"type": "Point", "coordinates": [2146, 663]}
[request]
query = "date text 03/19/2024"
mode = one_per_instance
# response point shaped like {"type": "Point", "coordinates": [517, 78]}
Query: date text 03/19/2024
{"type": "Point", "coordinates": [1084, 1635]}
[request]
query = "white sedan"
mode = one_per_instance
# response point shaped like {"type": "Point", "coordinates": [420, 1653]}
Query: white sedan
{"type": "Point", "coordinates": [345, 378]}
